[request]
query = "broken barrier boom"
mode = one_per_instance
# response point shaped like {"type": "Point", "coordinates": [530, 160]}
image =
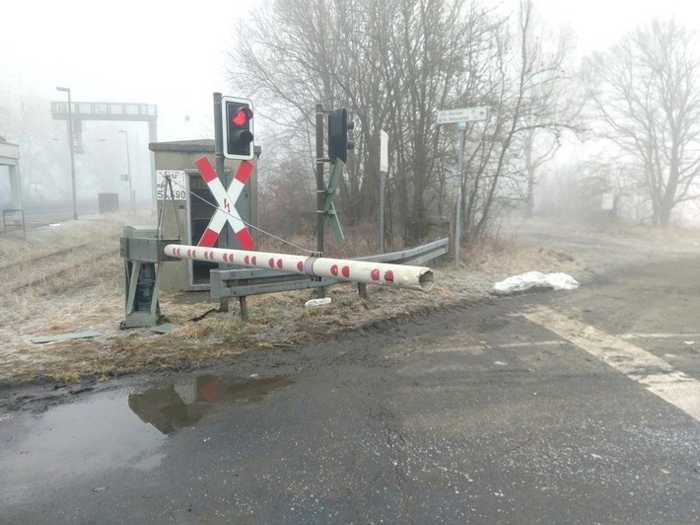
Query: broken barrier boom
{"type": "Point", "coordinates": [398, 275]}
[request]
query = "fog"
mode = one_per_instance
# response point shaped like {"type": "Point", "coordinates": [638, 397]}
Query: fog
{"type": "Point", "coordinates": [164, 53]}
{"type": "Point", "coordinates": [175, 55]}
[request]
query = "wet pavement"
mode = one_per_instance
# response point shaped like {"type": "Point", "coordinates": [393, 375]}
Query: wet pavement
{"type": "Point", "coordinates": [473, 415]}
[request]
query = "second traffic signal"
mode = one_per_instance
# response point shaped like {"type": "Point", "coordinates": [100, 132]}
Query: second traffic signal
{"type": "Point", "coordinates": [237, 114]}
{"type": "Point", "coordinates": [339, 135]}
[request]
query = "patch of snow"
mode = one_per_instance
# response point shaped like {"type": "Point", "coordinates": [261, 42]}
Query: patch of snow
{"type": "Point", "coordinates": [529, 280]}
{"type": "Point", "coordinates": [313, 303]}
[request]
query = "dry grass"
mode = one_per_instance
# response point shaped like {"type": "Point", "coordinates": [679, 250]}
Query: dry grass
{"type": "Point", "coordinates": [47, 240]}
{"type": "Point", "coordinates": [90, 296]}
{"type": "Point", "coordinates": [359, 240]}
{"type": "Point", "coordinates": [277, 321]}
{"type": "Point", "coordinates": [496, 257]}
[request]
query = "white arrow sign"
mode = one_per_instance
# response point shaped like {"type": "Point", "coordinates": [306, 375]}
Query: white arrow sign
{"type": "Point", "coordinates": [473, 114]}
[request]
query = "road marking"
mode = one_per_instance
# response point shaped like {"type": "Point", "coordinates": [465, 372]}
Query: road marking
{"type": "Point", "coordinates": [480, 349]}
{"type": "Point", "coordinates": [506, 346]}
{"type": "Point", "coordinates": [660, 335]}
{"type": "Point", "coordinates": [658, 376]}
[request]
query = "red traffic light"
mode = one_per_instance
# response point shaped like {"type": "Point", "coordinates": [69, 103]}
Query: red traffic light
{"type": "Point", "coordinates": [237, 127]}
{"type": "Point", "coordinates": [242, 117]}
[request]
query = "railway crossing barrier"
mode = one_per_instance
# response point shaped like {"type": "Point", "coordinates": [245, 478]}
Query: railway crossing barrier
{"type": "Point", "coordinates": [244, 282]}
{"type": "Point", "coordinates": [143, 252]}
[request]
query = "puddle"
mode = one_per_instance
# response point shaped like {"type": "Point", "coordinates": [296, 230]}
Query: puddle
{"type": "Point", "coordinates": [179, 405]}
{"type": "Point", "coordinates": [106, 431]}
{"type": "Point", "coordinates": [72, 441]}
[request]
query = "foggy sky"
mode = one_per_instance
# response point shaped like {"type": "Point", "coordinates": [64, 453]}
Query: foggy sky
{"type": "Point", "coordinates": [174, 53]}
{"type": "Point", "coordinates": [168, 53]}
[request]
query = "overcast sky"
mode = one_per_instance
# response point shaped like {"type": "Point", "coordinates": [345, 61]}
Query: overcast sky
{"type": "Point", "coordinates": [169, 53]}
{"type": "Point", "coordinates": [174, 53]}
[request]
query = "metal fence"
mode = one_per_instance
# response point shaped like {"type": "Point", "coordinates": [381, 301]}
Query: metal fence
{"type": "Point", "coordinates": [245, 282]}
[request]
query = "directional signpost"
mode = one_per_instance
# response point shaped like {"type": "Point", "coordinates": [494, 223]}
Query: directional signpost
{"type": "Point", "coordinates": [460, 117]}
{"type": "Point", "coordinates": [455, 116]}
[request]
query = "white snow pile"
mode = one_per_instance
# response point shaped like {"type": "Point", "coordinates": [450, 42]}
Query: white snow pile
{"type": "Point", "coordinates": [535, 280]}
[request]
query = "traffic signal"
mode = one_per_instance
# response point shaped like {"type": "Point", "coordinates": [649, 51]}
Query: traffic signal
{"type": "Point", "coordinates": [237, 114]}
{"type": "Point", "coordinates": [339, 135]}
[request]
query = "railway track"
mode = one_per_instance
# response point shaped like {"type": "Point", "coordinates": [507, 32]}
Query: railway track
{"type": "Point", "coordinates": [59, 272]}
{"type": "Point", "coordinates": [27, 272]}
{"type": "Point", "coordinates": [34, 260]}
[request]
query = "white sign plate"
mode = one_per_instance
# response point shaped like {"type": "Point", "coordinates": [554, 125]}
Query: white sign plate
{"type": "Point", "coordinates": [179, 180]}
{"type": "Point", "coordinates": [452, 116]}
{"type": "Point", "coordinates": [384, 151]}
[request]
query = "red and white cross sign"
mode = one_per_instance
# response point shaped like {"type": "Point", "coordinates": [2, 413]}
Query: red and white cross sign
{"type": "Point", "coordinates": [226, 201]}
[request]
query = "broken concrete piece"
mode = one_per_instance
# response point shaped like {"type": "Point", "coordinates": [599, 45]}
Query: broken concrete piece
{"type": "Point", "coordinates": [164, 328]}
{"type": "Point", "coordinates": [315, 303]}
{"type": "Point", "coordinates": [535, 280]}
{"type": "Point", "coordinates": [60, 338]}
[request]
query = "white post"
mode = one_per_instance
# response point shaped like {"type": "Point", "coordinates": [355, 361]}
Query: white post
{"type": "Point", "coordinates": [383, 170]}
{"type": "Point", "coordinates": [462, 126]}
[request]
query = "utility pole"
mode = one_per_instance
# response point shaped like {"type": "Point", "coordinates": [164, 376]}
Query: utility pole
{"type": "Point", "coordinates": [70, 148]}
{"type": "Point", "coordinates": [219, 157]}
{"type": "Point", "coordinates": [320, 189]}
{"type": "Point", "coordinates": [225, 238]}
{"type": "Point", "coordinates": [462, 127]}
{"type": "Point", "coordinates": [132, 197]}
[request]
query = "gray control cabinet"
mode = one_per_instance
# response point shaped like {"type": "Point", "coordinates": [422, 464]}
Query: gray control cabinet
{"type": "Point", "coordinates": [188, 215]}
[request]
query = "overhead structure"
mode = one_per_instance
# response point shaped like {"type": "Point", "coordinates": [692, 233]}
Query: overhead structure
{"type": "Point", "coordinates": [120, 111]}
{"type": "Point", "coordinates": [419, 277]}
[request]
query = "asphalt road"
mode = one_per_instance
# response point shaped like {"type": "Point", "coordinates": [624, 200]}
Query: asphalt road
{"type": "Point", "coordinates": [572, 407]}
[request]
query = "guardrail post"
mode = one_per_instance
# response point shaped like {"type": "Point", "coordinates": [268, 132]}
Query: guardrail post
{"type": "Point", "coordinates": [362, 290]}
{"type": "Point", "coordinates": [244, 308]}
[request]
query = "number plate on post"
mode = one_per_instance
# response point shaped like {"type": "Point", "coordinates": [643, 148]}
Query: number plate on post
{"type": "Point", "coordinates": [177, 177]}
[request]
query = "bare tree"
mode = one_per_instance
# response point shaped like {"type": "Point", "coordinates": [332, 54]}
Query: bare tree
{"type": "Point", "coordinates": [646, 92]}
{"type": "Point", "coordinates": [527, 95]}
{"type": "Point", "coordinates": [394, 63]}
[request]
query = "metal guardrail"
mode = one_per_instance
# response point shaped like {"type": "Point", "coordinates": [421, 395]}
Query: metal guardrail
{"type": "Point", "coordinates": [245, 282]}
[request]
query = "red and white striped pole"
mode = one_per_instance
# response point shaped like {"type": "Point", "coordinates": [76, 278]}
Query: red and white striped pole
{"type": "Point", "coordinates": [399, 275]}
